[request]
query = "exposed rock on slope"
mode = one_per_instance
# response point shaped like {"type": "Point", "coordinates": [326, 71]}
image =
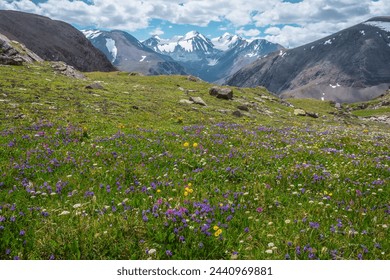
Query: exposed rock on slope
{"type": "Point", "coordinates": [14, 53]}
{"type": "Point", "coordinates": [53, 40]}
{"type": "Point", "coordinates": [348, 66]}
{"type": "Point", "coordinates": [128, 54]}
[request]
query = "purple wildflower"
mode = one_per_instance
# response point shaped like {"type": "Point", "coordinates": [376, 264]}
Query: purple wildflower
{"type": "Point", "coordinates": [314, 225]}
{"type": "Point", "coordinates": [259, 209]}
{"type": "Point", "coordinates": [22, 233]}
{"type": "Point", "coordinates": [89, 194]}
{"type": "Point", "coordinates": [168, 253]}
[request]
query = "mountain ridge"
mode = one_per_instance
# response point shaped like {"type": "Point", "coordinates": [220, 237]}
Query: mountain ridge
{"type": "Point", "coordinates": [53, 40]}
{"type": "Point", "coordinates": [347, 66]}
{"type": "Point", "coordinates": [128, 54]}
{"type": "Point", "coordinates": [215, 59]}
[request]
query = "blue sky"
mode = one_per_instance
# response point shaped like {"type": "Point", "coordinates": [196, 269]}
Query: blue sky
{"type": "Point", "coordinates": [290, 23]}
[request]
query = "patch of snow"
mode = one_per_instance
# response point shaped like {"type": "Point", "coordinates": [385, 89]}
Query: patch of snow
{"type": "Point", "coordinates": [212, 62]}
{"type": "Point", "coordinates": [362, 32]}
{"type": "Point", "coordinates": [170, 47]}
{"type": "Point", "coordinates": [334, 86]}
{"type": "Point", "coordinates": [282, 54]}
{"type": "Point", "coordinates": [111, 47]}
{"type": "Point", "coordinates": [380, 24]}
{"type": "Point", "coordinates": [312, 47]}
{"type": "Point", "coordinates": [322, 99]}
{"type": "Point", "coordinates": [251, 55]}
{"type": "Point", "coordinates": [91, 34]}
{"type": "Point", "coordinates": [143, 58]}
{"type": "Point", "coordinates": [328, 42]}
{"type": "Point", "coordinates": [187, 45]}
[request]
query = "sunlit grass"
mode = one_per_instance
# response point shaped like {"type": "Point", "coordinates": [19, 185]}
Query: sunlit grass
{"type": "Point", "coordinates": [129, 173]}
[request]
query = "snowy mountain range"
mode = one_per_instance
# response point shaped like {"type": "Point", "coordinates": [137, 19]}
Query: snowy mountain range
{"type": "Point", "coordinates": [130, 55]}
{"type": "Point", "coordinates": [215, 59]}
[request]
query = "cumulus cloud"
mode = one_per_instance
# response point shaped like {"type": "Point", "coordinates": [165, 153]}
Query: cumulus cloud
{"type": "Point", "coordinates": [158, 31]}
{"type": "Point", "coordinates": [248, 33]}
{"type": "Point", "coordinates": [290, 24]}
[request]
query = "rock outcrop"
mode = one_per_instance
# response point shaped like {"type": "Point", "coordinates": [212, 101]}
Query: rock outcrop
{"type": "Point", "coordinates": [14, 53]}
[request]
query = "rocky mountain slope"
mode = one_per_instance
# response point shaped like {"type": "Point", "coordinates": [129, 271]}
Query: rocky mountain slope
{"type": "Point", "coordinates": [128, 54]}
{"type": "Point", "coordinates": [348, 66]}
{"type": "Point", "coordinates": [213, 60]}
{"type": "Point", "coordinates": [53, 40]}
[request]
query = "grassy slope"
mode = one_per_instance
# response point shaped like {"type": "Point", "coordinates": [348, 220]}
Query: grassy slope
{"type": "Point", "coordinates": [107, 174]}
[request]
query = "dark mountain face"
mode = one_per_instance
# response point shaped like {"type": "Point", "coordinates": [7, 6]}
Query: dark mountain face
{"type": "Point", "coordinates": [348, 66]}
{"type": "Point", "coordinates": [128, 54]}
{"type": "Point", "coordinates": [53, 40]}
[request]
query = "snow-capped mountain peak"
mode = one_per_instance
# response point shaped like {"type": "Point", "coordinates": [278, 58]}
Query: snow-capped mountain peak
{"type": "Point", "coordinates": [190, 35]}
{"type": "Point", "coordinates": [192, 42]}
{"type": "Point", "coordinates": [226, 41]}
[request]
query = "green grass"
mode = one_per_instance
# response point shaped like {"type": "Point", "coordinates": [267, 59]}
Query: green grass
{"type": "Point", "coordinates": [372, 112]}
{"type": "Point", "coordinates": [128, 172]}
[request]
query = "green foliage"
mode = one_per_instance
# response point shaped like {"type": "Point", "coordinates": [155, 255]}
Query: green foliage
{"type": "Point", "coordinates": [127, 172]}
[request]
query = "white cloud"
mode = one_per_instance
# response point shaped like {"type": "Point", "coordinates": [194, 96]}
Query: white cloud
{"type": "Point", "coordinates": [290, 24]}
{"type": "Point", "coordinates": [158, 31]}
{"type": "Point", "coordinates": [248, 33]}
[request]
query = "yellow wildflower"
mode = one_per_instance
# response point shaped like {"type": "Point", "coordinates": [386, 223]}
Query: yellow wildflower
{"type": "Point", "coordinates": [195, 145]}
{"type": "Point", "coordinates": [185, 193]}
{"type": "Point", "coordinates": [187, 189]}
{"type": "Point", "coordinates": [186, 145]}
{"type": "Point", "coordinates": [218, 233]}
{"type": "Point", "coordinates": [158, 190]}
{"type": "Point", "coordinates": [215, 227]}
